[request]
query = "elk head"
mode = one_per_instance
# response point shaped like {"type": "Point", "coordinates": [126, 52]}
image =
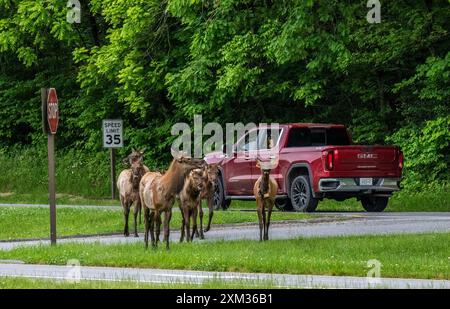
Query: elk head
{"type": "Point", "coordinates": [134, 156]}
{"type": "Point", "coordinates": [196, 179]}
{"type": "Point", "coordinates": [267, 166]}
{"type": "Point", "coordinates": [137, 171]}
{"type": "Point", "coordinates": [212, 172]}
{"type": "Point", "coordinates": [185, 161]}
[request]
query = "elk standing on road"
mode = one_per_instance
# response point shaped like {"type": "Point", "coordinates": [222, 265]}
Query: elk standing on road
{"type": "Point", "coordinates": [265, 190]}
{"type": "Point", "coordinates": [158, 194]}
{"type": "Point", "coordinates": [210, 175]}
{"type": "Point", "coordinates": [128, 186]}
{"type": "Point", "coordinates": [190, 201]}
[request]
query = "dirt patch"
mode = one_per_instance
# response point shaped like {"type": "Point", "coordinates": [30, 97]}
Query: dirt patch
{"type": "Point", "coordinates": [5, 194]}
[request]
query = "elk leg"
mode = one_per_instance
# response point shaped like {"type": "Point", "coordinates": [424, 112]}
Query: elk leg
{"type": "Point", "coordinates": [210, 212]}
{"type": "Point", "coordinates": [136, 210]}
{"type": "Point", "coordinates": [152, 228]}
{"type": "Point", "coordinates": [126, 213]}
{"type": "Point", "coordinates": [260, 219]}
{"type": "Point", "coordinates": [264, 218]}
{"type": "Point", "coordinates": [158, 225]}
{"type": "Point", "coordinates": [146, 226]}
{"type": "Point", "coordinates": [269, 214]}
{"type": "Point", "coordinates": [200, 211]}
{"type": "Point", "coordinates": [140, 210]}
{"type": "Point", "coordinates": [182, 224]}
{"type": "Point", "coordinates": [194, 222]}
{"type": "Point", "coordinates": [167, 218]}
{"type": "Point", "coordinates": [186, 223]}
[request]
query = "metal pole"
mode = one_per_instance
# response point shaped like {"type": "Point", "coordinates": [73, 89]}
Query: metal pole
{"type": "Point", "coordinates": [51, 186]}
{"type": "Point", "coordinates": [113, 172]}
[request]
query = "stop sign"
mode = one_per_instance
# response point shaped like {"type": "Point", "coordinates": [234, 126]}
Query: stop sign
{"type": "Point", "coordinates": [52, 110]}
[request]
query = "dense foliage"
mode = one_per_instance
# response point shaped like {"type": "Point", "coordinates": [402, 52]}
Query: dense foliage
{"type": "Point", "coordinates": [157, 62]}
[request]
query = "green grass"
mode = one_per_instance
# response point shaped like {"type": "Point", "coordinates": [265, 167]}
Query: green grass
{"type": "Point", "coordinates": [26, 283]}
{"type": "Point", "coordinates": [19, 222]}
{"type": "Point", "coordinates": [24, 171]}
{"type": "Point", "coordinates": [61, 198]}
{"type": "Point", "coordinates": [407, 256]}
{"type": "Point", "coordinates": [436, 200]}
{"type": "Point", "coordinates": [403, 201]}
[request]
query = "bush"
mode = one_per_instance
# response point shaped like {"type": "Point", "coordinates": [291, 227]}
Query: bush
{"type": "Point", "coordinates": [426, 150]}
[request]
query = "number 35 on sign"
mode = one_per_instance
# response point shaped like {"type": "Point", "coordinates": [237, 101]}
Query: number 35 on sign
{"type": "Point", "coordinates": [112, 133]}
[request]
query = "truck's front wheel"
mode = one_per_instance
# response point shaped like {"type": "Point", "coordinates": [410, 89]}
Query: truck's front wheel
{"type": "Point", "coordinates": [301, 195]}
{"type": "Point", "coordinates": [374, 203]}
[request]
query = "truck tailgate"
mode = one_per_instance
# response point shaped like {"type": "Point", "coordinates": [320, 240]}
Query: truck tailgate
{"type": "Point", "coordinates": [365, 158]}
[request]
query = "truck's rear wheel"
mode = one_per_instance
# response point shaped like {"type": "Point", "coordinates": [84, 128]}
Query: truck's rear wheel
{"type": "Point", "coordinates": [302, 199]}
{"type": "Point", "coordinates": [374, 203]}
{"type": "Point", "coordinates": [283, 204]}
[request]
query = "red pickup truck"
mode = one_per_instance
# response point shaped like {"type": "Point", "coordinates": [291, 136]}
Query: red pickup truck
{"type": "Point", "coordinates": [316, 161]}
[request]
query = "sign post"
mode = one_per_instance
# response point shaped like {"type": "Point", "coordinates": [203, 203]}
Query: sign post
{"type": "Point", "coordinates": [112, 139]}
{"type": "Point", "coordinates": [50, 114]}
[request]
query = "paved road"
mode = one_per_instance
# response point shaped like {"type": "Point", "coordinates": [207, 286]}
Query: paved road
{"type": "Point", "coordinates": [197, 277]}
{"type": "Point", "coordinates": [355, 224]}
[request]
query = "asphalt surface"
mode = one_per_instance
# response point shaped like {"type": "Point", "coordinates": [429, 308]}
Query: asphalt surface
{"type": "Point", "coordinates": [344, 224]}
{"type": "Point", "coordinates": [165, 276]}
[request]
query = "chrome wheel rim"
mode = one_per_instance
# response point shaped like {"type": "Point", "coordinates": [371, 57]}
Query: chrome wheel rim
{"type": "Point", "coordinates": [300, 194]}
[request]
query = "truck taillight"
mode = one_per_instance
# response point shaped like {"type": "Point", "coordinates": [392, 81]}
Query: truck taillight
{"type": "Point", "coordinates": [400, 160]}
{"type": "Point", "coordinates": [329, 162]}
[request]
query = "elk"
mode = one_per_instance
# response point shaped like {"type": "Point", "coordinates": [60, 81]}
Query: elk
{"type": "Point", "coordinates": [158, 192]}
{"type": "Point", "coordinates": [189, 201]}
{"type": "Point", "coordinates": [265, 190]}
{"type": "Point", "coordinates": [128, 187]}
{"type": "Point", "coordinates": [210, 181]}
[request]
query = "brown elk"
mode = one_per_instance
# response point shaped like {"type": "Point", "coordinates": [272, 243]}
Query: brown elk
{"type": "Point", "coordinates": [189, 201]}
{"type": "Point", "coordinates": [265, 190]}
{"type": "Point", "coordinates": [158, 193]}
{"type": "Point", "coordinates": [210, 175]}
{"type": "Point", "coordinates": [128, 187]}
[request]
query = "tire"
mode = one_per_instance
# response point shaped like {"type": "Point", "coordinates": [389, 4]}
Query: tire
{"type": "Point", "coordinates": [302, 199]}
{"type": "Point", "coordinates": [219, 201]}
{"type": "Point", "coordinates": [226, 204]}
{"type": "Point", "coordinates": [283, 204]}
{"type": "Point", "coordinates": [374, 203]}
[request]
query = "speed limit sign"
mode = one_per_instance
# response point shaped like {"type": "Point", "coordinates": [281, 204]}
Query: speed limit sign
{"type": "Point", "coordinates": [112, 133]}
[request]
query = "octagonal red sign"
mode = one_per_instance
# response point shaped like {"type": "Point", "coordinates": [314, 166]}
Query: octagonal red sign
{"type": "Point", "coordinates": [52, 110]}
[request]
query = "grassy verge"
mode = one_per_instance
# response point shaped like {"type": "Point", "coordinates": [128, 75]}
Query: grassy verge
{"type": "Point", "coordinates": [437, 199]}
{"type": "Point", "coordinates": [33, 222]}
{"type": "Point", "coordinates": [406, 256]}
{"type": "Point", "coordinates": [25, 283]}
{"type": "Point", "coordinates": [61, 199]}
{"type": "Point", "coordinates": [83, 179]}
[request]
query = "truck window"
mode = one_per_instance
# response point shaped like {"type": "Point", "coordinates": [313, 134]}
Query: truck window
{"type": "Point", "coordinates": [337, 136]}
{"type": "Point", "coordinates": [305, 137]}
